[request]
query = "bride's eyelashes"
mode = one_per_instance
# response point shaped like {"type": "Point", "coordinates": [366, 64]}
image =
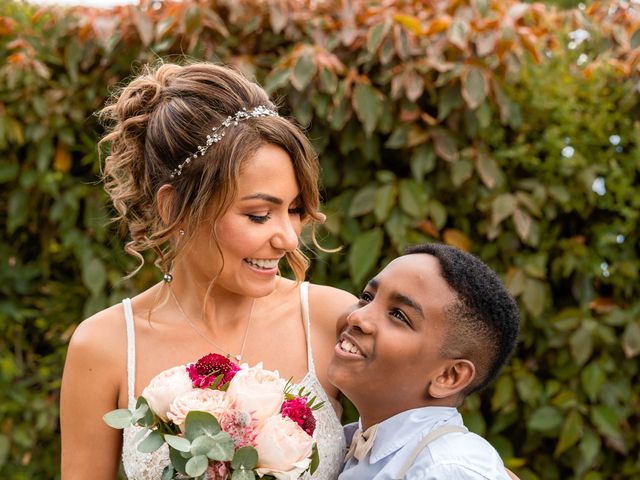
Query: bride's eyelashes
{"type": "Point", "coordinates": [298, 211]}
{"type": "Point", "coordinates": [259, 218]}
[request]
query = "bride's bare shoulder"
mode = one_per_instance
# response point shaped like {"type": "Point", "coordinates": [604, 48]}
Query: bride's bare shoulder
{"type": "Point", "coordinates": [101, 336]}
{"type": "Point", "coordinates": [328, 303]}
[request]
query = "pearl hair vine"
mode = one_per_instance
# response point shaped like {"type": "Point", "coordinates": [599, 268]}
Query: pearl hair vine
{"type": "Point", "coordinates": [217, 133]}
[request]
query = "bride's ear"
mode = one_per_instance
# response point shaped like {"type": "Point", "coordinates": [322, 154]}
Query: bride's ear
{"type": "Point", "coordinates": [164, 201]}
{"type": "Point", "coordinates": [455, 376]}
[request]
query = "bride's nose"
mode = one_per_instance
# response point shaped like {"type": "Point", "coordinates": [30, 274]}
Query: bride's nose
{"type": "Point", "coordinates": [287, 235]}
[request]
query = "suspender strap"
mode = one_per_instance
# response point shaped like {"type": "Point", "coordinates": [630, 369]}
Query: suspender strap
{"type": "Point", "coordinates": [432, 436]}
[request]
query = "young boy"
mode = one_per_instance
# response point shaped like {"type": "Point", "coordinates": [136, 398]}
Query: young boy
{"type": "Point", "coordinates": [433, 326]}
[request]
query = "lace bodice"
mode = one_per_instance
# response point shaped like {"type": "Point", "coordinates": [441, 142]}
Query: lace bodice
{"type": "Point", "coordinates": [328, 433]}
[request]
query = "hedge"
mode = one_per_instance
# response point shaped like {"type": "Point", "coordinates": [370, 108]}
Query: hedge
{"type": "Point", "coordinates": [508, 129]}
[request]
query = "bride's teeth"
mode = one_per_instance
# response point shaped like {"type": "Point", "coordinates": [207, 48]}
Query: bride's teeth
{"type": "Point", "coordinates": [262, 263]}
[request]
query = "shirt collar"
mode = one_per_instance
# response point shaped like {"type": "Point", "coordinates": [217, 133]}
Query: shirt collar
{"type": "Point", "coordinates": [407, 427]}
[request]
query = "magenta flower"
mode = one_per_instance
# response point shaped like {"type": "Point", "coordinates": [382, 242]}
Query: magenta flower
{"type": "Point", "coordinates": [204, 372]}
{"type": "Point", "coordinates": [297, 410]}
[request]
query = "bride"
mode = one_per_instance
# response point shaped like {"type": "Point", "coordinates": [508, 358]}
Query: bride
{"type": "Point", "coordinates": [204, 174]}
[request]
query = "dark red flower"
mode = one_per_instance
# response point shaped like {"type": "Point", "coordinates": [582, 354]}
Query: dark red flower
{"type": "Point", "coordinates": [297, 410]}
{"type": "Point", "coordinates": [205, 371]}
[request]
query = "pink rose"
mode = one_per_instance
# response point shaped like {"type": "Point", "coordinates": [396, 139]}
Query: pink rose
{"type": "Point", "coordinates": [165, 387]}
{"type": "Point", "coordinates": [215, 402]}
{"type": "Point", "coordinates": [257, 391]}
{"type": "Point", "coordinates": [284, 449]}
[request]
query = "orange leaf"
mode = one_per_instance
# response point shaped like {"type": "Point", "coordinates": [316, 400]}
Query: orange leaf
{"type": "Point", "coordinates": [410, 22]}
{"type": "Point", "coordinates": [427, 227]}
{"type": "Point", "coordinates": [439, 24]}
{"type": "Point", "coordinates": [528, 41]}
{"type": "Point", "coordinates": [428, 119]}
{"type": "Point", "coordinates": [16, 58]}
{"type": "Point", "coordinates": [62, 159]}
{"type": "Point", "coordinates": [603, 305]}
{"type": "Point", "coordinates": [457, 238]}
{"type": "Point", "coordinates": [503, 46]}
{"type": "Point", "coordinates": [7, 25]}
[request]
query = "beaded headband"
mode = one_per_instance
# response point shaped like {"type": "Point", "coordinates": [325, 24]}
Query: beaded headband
{"type": "Point", "coordinates": [217, 133]}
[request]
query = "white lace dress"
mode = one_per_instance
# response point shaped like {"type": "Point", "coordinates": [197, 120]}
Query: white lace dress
{"type": "Point", "coordinates": [328, 433]}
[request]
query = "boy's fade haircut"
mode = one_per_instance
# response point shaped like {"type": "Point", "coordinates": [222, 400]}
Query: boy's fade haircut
{"type": "Point", "coordinates": [484, 321]}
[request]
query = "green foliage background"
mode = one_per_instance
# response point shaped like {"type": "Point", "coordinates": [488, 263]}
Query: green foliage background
{"type": "Point", "coordinates": [484, 125]}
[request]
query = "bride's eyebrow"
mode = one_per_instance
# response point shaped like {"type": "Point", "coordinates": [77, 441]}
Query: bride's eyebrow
{"type": "Point", "coordinates": [264, 196]}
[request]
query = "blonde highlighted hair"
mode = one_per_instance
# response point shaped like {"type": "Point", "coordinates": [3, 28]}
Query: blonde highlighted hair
{"type": "Point", "coordinates": [158, 120]}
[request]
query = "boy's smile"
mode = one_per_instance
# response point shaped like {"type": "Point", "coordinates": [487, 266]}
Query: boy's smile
{"type": "Point", "coordinates": [388, 349]}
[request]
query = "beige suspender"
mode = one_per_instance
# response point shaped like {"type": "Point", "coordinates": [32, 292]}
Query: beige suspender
{"type": "Point", "coordinates": [435, 434]}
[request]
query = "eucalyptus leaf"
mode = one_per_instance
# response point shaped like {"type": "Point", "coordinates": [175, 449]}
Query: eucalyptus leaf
{"type": "Point", "coordinates": [222, 447]}
{"type": "Point", "coordinates": [119, 418]}
{"type": "Point", "coordinates": [200, 423]}
{"type": "Point", "coordinates": [153, 442]}
{"type": "Point", "coordinates": [139, 413]}
{"type": "Point", "coordinates": [201, 445]}
{"type": "Point", "coordinates": [197, 465]}
{"type": "Point", "coordinates": [167, 473]}
{"type": "Point", "coordinates": [179, 443]}
{"type": "Point", "coordinates": [246, 457]}
{"type": "Point", "coordinates": [243, 474]}
{"type": "Point", "coordinates": [178, 459]}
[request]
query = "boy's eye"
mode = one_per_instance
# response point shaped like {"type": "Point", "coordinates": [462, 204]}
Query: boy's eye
{"type": "Point", "coordinates": [259, 218]}
{"type": "Point", "coordinates": [399, 314]}
{"type": "Point", "coordinates": [365, 298]}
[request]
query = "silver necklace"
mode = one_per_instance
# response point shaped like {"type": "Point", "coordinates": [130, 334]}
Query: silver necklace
{"type": "Point", "coordinates": [237, 357]}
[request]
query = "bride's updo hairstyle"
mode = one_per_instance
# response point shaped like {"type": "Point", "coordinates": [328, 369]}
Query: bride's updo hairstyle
{"type": "Point", "coordinates": [161, 118]}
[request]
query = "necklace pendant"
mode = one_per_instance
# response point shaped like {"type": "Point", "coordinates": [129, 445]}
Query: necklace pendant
{"type": "Point", "coordinates": [237, 357]}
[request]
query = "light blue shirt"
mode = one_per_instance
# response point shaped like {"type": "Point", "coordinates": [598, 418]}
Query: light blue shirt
{"type": "Point", "coordinates": [454, 456]}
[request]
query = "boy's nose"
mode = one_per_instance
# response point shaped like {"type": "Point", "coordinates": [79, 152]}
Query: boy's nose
{"type": "Point", "coordinates": [361, 319]}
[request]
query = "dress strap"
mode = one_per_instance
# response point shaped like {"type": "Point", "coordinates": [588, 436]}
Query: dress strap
{"type": "Point", "coordinates": [432, 436]}
{"type": "Point", "coordinates": [304, 305]}
{"type": "Point", "coordinates": [131, 353]}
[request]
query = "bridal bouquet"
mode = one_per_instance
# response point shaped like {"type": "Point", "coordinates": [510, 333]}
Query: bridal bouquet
{"type": "Point", "coordinates": [225, 421]}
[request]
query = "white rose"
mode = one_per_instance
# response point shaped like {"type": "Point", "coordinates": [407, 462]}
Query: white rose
{"type": "Point", "coordinates": [284, 449]}
{"type": "Point", "coordinates": [165, 387]}
{"type": "Point", "coordinates": [215, 402]}
{"type": "Point", "coordinates": [257, 391]}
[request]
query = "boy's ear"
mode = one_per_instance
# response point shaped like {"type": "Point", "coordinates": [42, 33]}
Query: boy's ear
{"type": "Point", "coordinates": [456, 375]}
{"type": "Point", "coordinates": [164, 200]}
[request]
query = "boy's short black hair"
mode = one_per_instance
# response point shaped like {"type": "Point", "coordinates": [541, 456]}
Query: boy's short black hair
{"type": "Point", "coordinates": [484, 322]}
